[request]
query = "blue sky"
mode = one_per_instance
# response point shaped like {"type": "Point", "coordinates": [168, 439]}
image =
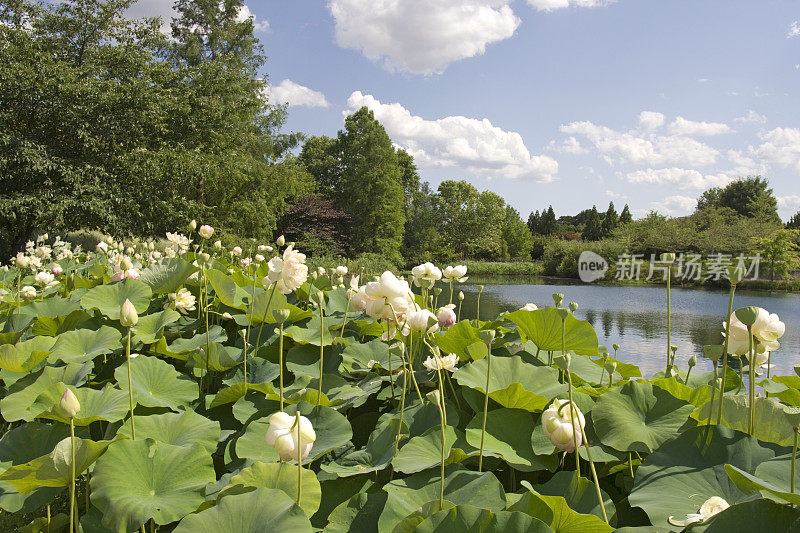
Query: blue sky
{"type": "Point", "coordinates": [562, 102]}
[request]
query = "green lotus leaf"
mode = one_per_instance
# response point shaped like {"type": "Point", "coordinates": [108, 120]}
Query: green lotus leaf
{"type": "Point", "coordinates": [543, 327]}
{"type": "Point", "coordinates": [683, 473]}
{"type": "Point", "coordinates": [467, 518]}
{"type": "Point", "coordinates": [82, 345]}
{"type": "Point", "coordinates": [508, 436]}
{"type": "Point", "coordinates": [777, 472]}
{"type": "Point", "coordinates": [758, 515]}
{"type": "Point", "coordinates": [50, 308]}
{"type": "Point", "coordinates": [258, 312]}
{"type": "Point", "coordinates": [773, 422]}
{"type": "Point", "coordinates": [109, 404]}
{"type": "Point", "coordinates": [749, 483]}
{"type": "Point", "coordinates": [58, 522]}
{"type": "Point", "coordinates": [22, 395]}
{"type": "Point", "coordinates": [253, 512]}
{"type": "Point", "coordinates": [55, 468]}
{"type": "Point", "coordinates": [167, 275]}
{"type": "Point", "coordinates": [23, 444]}
{"type": "Point", "coordinates": [156, 383]}
{"type": "Point", "coordinates": [26, 355]}
{"type": "Point", "coordinates": [513, 383]}
{"type": "Point", "coordinates": [356, 357]}
{"type": "Point", "coordinates": [310, 332]}
{"type": "Point", "coordinates": [109, 298]}
{"type": "Point", "coordinates": [458, 338]}
{"type": "Point", "coordinates": [180, 346]}
{"type": "Point", "coordinates": [135, 481]}
{"type": "Point", "coordinates": [150, 327]}
{"type": "Point", "coordinates": [233, 393]}
{"type": "Point", "coordinates": [281, 476]}
{"type": "Point", "coordinates": [52, 327]}
{"type": "Point", "coordinates": [179, 429]}
{"type": "Point", "coordinates": [303, 360]}
{"type": "Point", "coordinates": [460, 487]}
{"type": "Point", "coordinates": [358, 513]}
{"type": "Point", "coordinates": [332, 429]}
{"type": "Point", "coordinates": [226, 290]}
{"type": "Point", "coordinates": [374, 456]}
{"type": "Point", "coordinates": [638, 417]}
{"type": "Point", "coordinates": [424, 451]}
{"type": "Point", "coordinates": [217, 357]}
{"type": "Point", "coordinates": [554, 511]}
{"type": "Point", "coordinates": [579, 493]}
{"type": "Point", "coordinates": [410, 523]}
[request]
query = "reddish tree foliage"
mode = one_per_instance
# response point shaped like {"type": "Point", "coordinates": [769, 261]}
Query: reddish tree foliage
{"type": "Point", "coordinates": [317, 224]}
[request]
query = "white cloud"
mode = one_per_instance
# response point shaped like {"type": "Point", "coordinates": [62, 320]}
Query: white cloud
{"type": "Point", "coordinates": [421, 36]}
{"type": "Point", "coordinates": [294, 94]}
{"type": "Point", "coordinates": [569, 146]}
{"type": "Point", "coordinates": [651, 120]}
{"type": "Point", "coordinates": [790, 203]}
{"type": "Point", "coordinates": [616, 195]}
{"type": "Point", "coordinates": [550, 5]}
{"type": "Point", "coordinates": [781, 145]}
{"type": "Point", "coordinates": [675, 205]}
{"type": "Point", "coordinates": [650, 150]}
{"type": "Point", "coordinates": [682, 178]}
{"type": "Point", "coordinates": [751, 116]}
{"type": "Point", "coordinates": [245, 13]}
{"type": "Point", "coordinates": [737, 158]}
{"type": "Point", "coordinates": [691, 128]}
{"type": "Point", "coordinates": [794, 29]}
{"type": "Point", "coordinates": [474, 145]}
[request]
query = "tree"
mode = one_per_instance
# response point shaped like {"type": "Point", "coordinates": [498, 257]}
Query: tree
{"type": "Point", "coordinates": [421, 240]}
{"type": "Point", "coordinates": [516, 235]}
{"type": "Point", "coordinates": [534, 219]}
{"type": "Point", "coordinates": [794, 221]}
{"type": "Point", "coordinates": [610, 220]}
{"type": "Point", "coordinates": [372, 193]}
{"type": "Point", "coordinates": [316, 225]}
{"type": "Point", "coordinates": [625, 217]}
{"type": "Point", "coordinates": [592, 230]}
{"type": "Point", "coordinates": [778, 251]}
{"type": "Point", "coordinates": [470, 222]}
{"type": "Point", "coordinates": [548, 223]}
{"type": "Point", "coordinates": [749, 197]}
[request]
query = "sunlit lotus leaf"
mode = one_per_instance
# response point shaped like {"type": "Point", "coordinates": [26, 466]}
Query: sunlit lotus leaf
{"type": "Point", "coordinates": [81, 345]}
{"type": "Point", "coordinates": [281, 476]}
{"type": "Point", "coordinates": [473, 519]}
{"type": "Point", "coordinates": [168, 275]}
{"type": "Point", "coordinates": [579, 494]}
{"type": "Point", "coordinates": [156, 383]}
{"type": "Point", "coordinates": [151, 327]}
{"type": "Point", "coordinates": [773, 422]}
{"type": "Point", "coordinates": [554, 511]}
{"type": "Point", "coordinates": [109, 298]}
{"type": "Point", "coordinates": [543, 327]}
{"type": "Point", "coordinates": [180, 429]}
{"type": "Point", "coordinates": [26, 355]}
{"type": "Point", "coordinates": [376, 455]}
{"type": "Point", "coordinates": [135, 481]}
{"type": "Point", "coordinates": [22, 395]}
{"type": "Point", "coordinates": [109, 403]}
{"type": "Point", "coordinates": [457, 338]}
{"type": "Point", "coordinates": [758, 515]}
{"type": "Point", "coordinates": [226, 290]}
{"type": "Point", "coordinates": [424, 451]}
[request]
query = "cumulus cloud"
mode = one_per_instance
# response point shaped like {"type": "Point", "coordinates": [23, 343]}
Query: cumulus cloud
{"type": "Point", "coordinates": [675, 205]}
{"type": "Point", "coordinates": [794, 29]}
{"type": "Point", "coordinates": [245, 13]}
{"type": "Point", "coordinates": [751, 116]}
{"type": "Point", "coordinates": [550, 5]}
{"type": "Point", "coordinates": [477, 146]}
{"type": "Point", "coordinates": [681, 126]}
{"type": "Point", "coordinates": [421, 36]}
{"type": "Point", "coordinates": [653, 150]}
{"type": "Point", "coordinates": [682, 178]}
{"type": "Point", "coordinates": [294, 94]}
{"type": "Point", "coordinates": [569, 146]}
{"type": "Point", "coordinates": [616, 195]}
{"type": "Point", "coordinates": [651, 120]}
{"type": "Point", "coordinates": [781, 145]}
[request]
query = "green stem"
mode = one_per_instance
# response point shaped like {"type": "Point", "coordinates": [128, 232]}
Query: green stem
{"type": "Point", "coordinates": [402, 406]}
{"type": "Point", "coordinates": [346, 309]}
{"type": "Point", "coordinates": [280, 361]}
{"type": "Point", "coordinates": [669, 321]}
{"type": "Point", "coordinates": [688, 373]}
{"type": "Point", "coordinates": [72, 510]}
{"type": "Point", "coordinates": [48, 518]}
{"type": "Point", "coordinates": [264, 316]}
{"type": "Point", "coordinates": [321, 346]}
{"type": "Point", "coordinates": [451, 292]}
{"type": "Point", "coordinates": [299, 457]}
{"type": "Point", "coordinates": [713, 393]}
{"type": "Point", "coordinates": [458, 318]}
{"type": "Point", "coordinates": [485, 401]}
{"type": "Point", "coordinates": [208, 333]}
{"type": "Point", "coordinates": [630, 462]}
{"type": "Point", "coordinates": [130, 383]}
{"type": "Point", "coordinates": [594, 477]}
{"type": "Point", "coordinates": [573, 416]}
{"type": "Point", "coordinates": [751, 425]}
{"type": "Point", "coordinates": [794, 457]}
{"type": "Point", "coordinates": [725, 352]}
{"type": "Point", "coordinates": [441, 467]}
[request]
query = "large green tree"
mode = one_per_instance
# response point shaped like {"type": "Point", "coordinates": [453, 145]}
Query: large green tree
{"type": "Point", "coordinates": [592, 230]}
{"type": "Point", "coordinates": [749, 197]}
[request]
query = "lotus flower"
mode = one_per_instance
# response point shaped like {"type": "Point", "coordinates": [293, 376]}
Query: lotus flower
{"type": "Point", "coordinates": [446, 316]}
{"type": "Point", "coordinates": [69, 405]}
{"type": "Point", "coordinates": [283, 434]}
{"type": "Point", "coordinates": [426, 274]}
{"type": "Point", "coordinates": [437, 362]}
{"type": "Point", "coordinates": [385, 294]}
{"type": "Point", "coordinates": [206, 231]}
{"type": "Point", "coordinates": [559, 426]}
{"type": "Point", "coordinates": [712, 506]}
{"type": "Point", "coordinates": [289, 271]}
{"type": "Point", "coordinates": [529, 307]}
{"type": "Point", "coordinates": [767, 329]}
{"type": "Point", "coordinates": [456, 273]}
{"type": "Point", "coordinates": [422, 320]}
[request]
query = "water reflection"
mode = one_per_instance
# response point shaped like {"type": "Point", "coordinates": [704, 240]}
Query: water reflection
{"type": "Point", "coordinates": [635, 317]}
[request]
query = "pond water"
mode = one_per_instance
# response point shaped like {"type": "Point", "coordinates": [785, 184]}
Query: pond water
{"type": "Point", "coordinates": [635, 317]}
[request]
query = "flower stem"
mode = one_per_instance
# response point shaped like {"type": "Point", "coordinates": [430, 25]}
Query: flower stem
{"type": "Point", "coordinates": [485, 401]}
{"type": "Point", "coordinates": [751, 424]}
{"type": "Point", "coordinates": [280, 362]}
{"type": "Point", "coordinates": [630, 462]}
{"type": "Point", "coordinates": [130, 383]}
{"type": "Point", "coordinates": [669, 321]}
{"type": "Point", "coordinates": [441, 467]}
{"type": "Point", "coordinates": [713, 393]}
{"type": "Point", "coordinates": [794, 458]}
{"type": "Point", "coordinates": [72, 487]}
{"type": "Point", "coordinates": [299, 457]}
{"type": "Point", "coordinates": [346, 309]}
{"type": "Point", "coordinates": [573, 416]}
{"type": "Point", "coordinates": [725, 352]}
{"type": "Point", "coordinates": [264, 316]}
{"type": "Point", "coordinates": [402, 406]}
{"type": "Point", "coordinates": [321, 346]}
{"type": "Point", "coordinates": [596, 482]}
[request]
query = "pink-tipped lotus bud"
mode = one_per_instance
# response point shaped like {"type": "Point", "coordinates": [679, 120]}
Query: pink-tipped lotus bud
{"type": "Point", "coordinates": [69, 405]}
{"type": "Point", "coordinates": [127, 314]}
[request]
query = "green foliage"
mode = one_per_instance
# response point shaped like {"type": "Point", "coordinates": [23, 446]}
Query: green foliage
{"type": "Point", "coordinates": [516, 235]}
{"type": "Point", "coordinates": [592, 229]}
{"type": "Point", "coordinates": [779, 252]}
{"type": "Point", "coordinates": [750, 197]}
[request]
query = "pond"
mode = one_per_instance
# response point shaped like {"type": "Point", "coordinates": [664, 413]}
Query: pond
{"type": "Point", "coordinates": [635, 317]}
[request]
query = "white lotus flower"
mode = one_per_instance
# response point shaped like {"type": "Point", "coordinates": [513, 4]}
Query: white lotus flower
{"type": "Point", "coordinates": [205, 231]}
{"type": "Point", "coordinates": [437, 362]}
{"type": "Point", "coordinates": [456, 273]}
{"type": "Point", "coordinates": [44, 277]}
{"type": "Point", "coordinates": [767, 329]}
{"type": "Point", "coordinates": [28, 292]}
{"type": "Point", "coordinates": [183, 301]}
{"type": "Point", "coordinates": [22, 260]}
{"type": "Point", "coordinates": [237, 250]}
{"type": "Point", "coordinates": [529, 307]}
{"type": "Point", "coordinates": [284, 432]}
{"type": "Point", "coordinates": [259, 258]}
{"type": "Point", "coordinates": [341, 270]}
{"type": "Point", "coordinates": [289, 271]}
{"type": "Point", "coordinates": [102, 247]}
{"type": "Point", "coordinates": [386, 294]}
{"type": "Point", "coordinates": [559, 426]}
{"type": "Point", "coordinates": [422, 320]}
{"type": "Point", "coordinates": [426, 274]}
{"type": "Point", "coordinates": [712, 506]}
{"type": "Point", "coordinates": [446, 316]}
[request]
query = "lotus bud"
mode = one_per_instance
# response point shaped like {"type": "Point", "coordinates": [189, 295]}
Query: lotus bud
{"type": "Point", "coordinates": [227, 316]}
{"type": "Point", "coordinates": [126, 263]}
{"type": "Point", "coordinates": [435, 397]}
{"type": "Point", "coordinates": [573, 306]}
{"type": "Point", "coordinates": [747, 315]}
{"type": "Point", "coordinates": [56, 269]}
{"type": "Point", "coordinates": [615, 346]}
{"type": "Point", "coordinates": [193, 225]}
{"type": "Point", "coordinates": [151, 246]}
{"type": "Point", "coordinates": [668, 258]}
{"type": "Point", "coordinates": [284, 433]}
{"type": "Point", "coordinates": [69, 405]}
{"type": "Point", "coordinates": [204, 258]}
{"type": "Point", "coordinates": [673, 348]}
{"type": "Point", "coordinates": [563, 313]}
{"type": "Point", "coordinates": [237, 250]}
{"type": "Point", "coordinates": [692, 361]}
{"type": "Point", "coordinates": [461, 296]}
{"type": "Point", "coordinates": [218, 245]}
{"type": "Point", "coordinates": [206, 231]}
{"type": "Point", "coordinates": [120, 246]}
{"type": "Point", "coordinates": [446, 316]}
{"type": "Point", "coordinates": [280, 241]}
{"type": "Point", "coordinates": [611, 367]}
{"type": "Point", "coordinates": [558, 297]}
{"type": "Point", "coordinates": [437, 291]}
{"type": "Point", "coordinates": [280, 315]}
{"type": "Point", "coordinates": [480, 288]}
{"type": "Point", "coordinates": [127, 315]}
{"type": "Point", "coordinates": [559, 424]}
